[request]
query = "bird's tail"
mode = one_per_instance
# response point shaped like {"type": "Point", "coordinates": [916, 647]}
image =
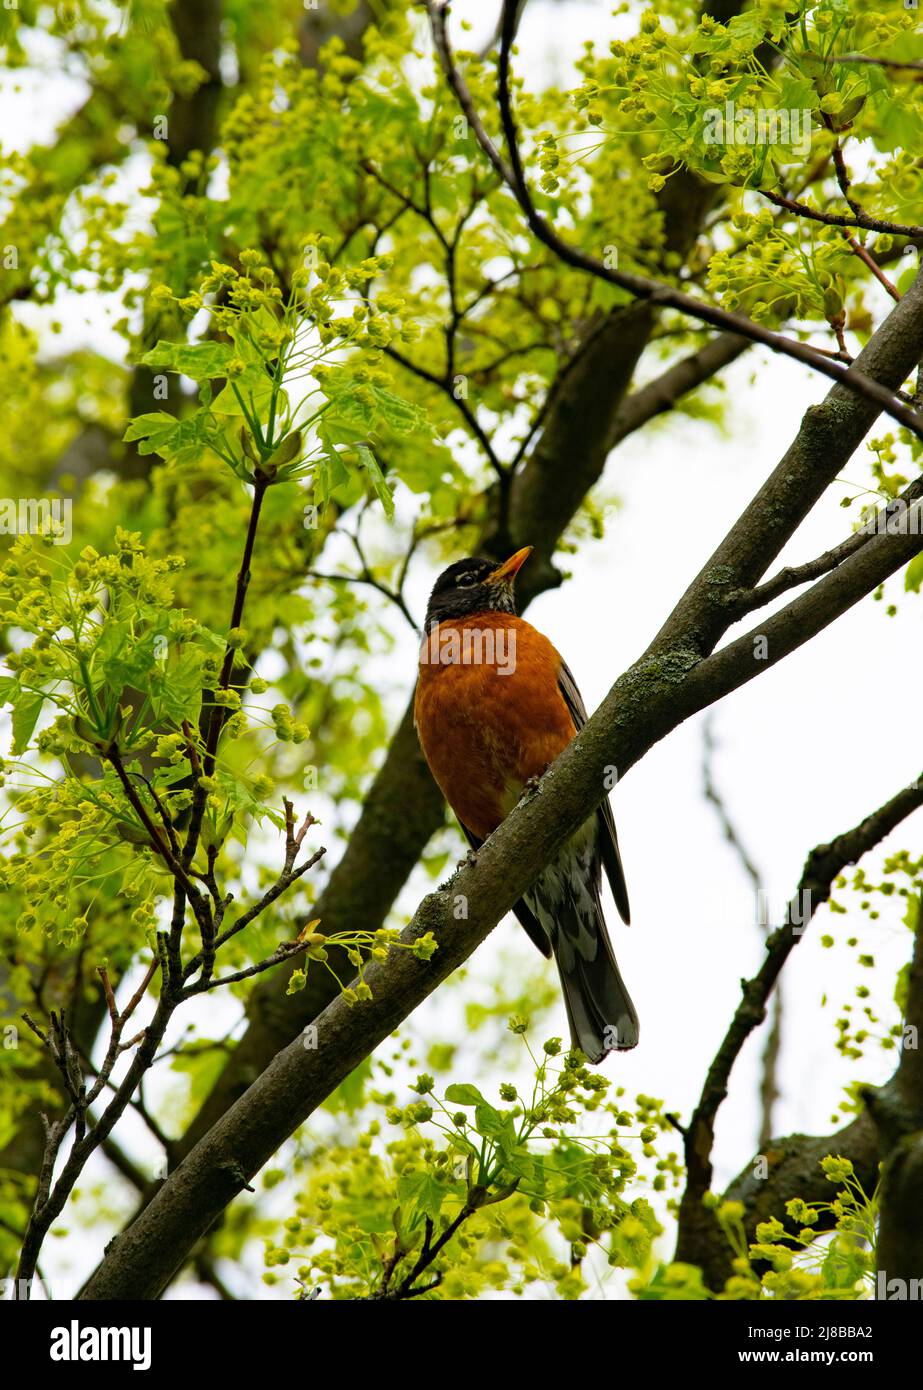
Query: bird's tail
{"type": "Point", "coordinates": [600, 1013]}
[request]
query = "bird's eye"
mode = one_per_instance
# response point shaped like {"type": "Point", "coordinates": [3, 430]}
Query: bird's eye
{"type": "Point", "coordinates": [466, 581]}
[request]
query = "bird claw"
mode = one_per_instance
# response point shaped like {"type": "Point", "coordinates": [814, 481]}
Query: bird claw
{"type": "Point", "coordinates": [469, 861]}
{"type": "Point", "coordinates": [530, 787]}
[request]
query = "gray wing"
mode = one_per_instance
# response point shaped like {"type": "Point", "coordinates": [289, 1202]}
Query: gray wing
{"type": "Point", "coordinates": [527, 920]}
{"type": "Point", "coordinates": [607, 839]}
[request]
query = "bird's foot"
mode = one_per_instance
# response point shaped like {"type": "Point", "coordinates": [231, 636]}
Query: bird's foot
{"type": "Point", "coordinates": [531, 787]}
{"type": "Point", "coordinates": [469, 861]}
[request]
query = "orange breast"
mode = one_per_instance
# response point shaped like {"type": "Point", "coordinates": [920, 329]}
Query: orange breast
{"type": "Point", "coordinates": [489, 713]}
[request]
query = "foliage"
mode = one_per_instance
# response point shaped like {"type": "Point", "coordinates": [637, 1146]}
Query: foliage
{"type": "Point", "coordinates": [782, 1265]}
{"type": "Point", "coordinates": [472, 1197]}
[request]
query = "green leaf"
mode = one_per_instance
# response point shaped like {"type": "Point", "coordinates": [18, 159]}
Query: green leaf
{"type": "Point", "coordinates": [913, 577]}
{"type": "Point", "coordinates": [25, 717]}
{"type": "Point", "coordinates": [498, 1126]}
{"type": "Point", "coordinates": [122, 660]}
{"type": "Point", "coordinates": [200, 361]}
{"type": "Point", "coordinates": [906, 279]}
{"type": "Point", "coordinates": [402, 416]}
{"type": "Point", "coordinates": [176, 689]}
{"type": "Point", "coordinates": [255, 386]}
{"type": "Point", "coordinates": [152, 428]}
{"type": "Point", "coordinates": [464, 1094]}
{"type": "Point", "coordinates": [160, 433]}
{"type": "Point", "coordinates": [422, 1193]}
{"type": "Point", "coordinates": [365, 406]}
{"type": "Point", "coordinates": [369, 462]}
{"type": "Point", "coordinates": [331, 473]}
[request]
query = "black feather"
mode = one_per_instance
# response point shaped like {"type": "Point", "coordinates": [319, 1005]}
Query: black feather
{"type": "Point", "coordinates": [525, 918]}
{"type": "Point", "coordinates": [608, 840]}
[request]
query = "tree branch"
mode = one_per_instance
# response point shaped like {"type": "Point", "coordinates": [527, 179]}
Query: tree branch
{"type": "Point", "coordinates": [828, 436]}
{"type": "Point", "coordinates": [662, 394]}
{"type": "Point", "coordinates": [651, 291]}
{"type": "Point", "coordinates": [700, 1240]}
{"type": "Point", "coordinates": [900, 1132]}
{"type": "Point", "coordinates": [860, 219]}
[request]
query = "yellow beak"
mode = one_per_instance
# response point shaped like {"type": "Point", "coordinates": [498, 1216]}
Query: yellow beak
{"type": "Point", "coordinates": [510, 568]}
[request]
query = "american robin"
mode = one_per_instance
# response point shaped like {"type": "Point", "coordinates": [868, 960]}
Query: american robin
{"type": "Point", "coordinates": [495, 705]}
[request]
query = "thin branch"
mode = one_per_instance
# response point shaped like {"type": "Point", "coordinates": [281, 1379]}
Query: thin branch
{"type": "Point", "coordinates": [445, 384]}
{"type": "Point", "coordinates": [860, 220]}
{"type": "Point", "coordinates": [905, 507]}
{"type": "Point", "coordinates": [213, 719]}
{"type": "Point", "coordinates": [158, 841]}
{"type": "Point", "coordinates": [714, 798]}
{"type": "Point", "coordinates": [662, 394]}
{"type": "Point", "coordinates": [286, 951]}
{"type": "Point", "coordinates": [449, 248]}
{"type": "Point", "coordinates": [287, 877]}
{"type": "Point", "coordinates": [431, 1249]}
{"type": "Point", "coordinates": [371, 583]}
{"type": "Point", "coordinates": [553, 395]}
{"type": "Point", "coordinates": [896, 64]}
{"type": "Point", "coordinates": [859, 250]}
{"type": "Point", "coordinates": [842, 173]}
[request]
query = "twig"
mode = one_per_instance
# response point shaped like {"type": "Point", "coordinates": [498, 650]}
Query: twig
{"type": "Point", "coordinates": [859, 250]}
{"type": "Point", "coordinates": [286, 951]}
{"type": "Point", "coordinates": [431, 1249]}
{"type": "Point", "coordinates": [745, 601]}
{"type": "Point", "coordinates": [213, 719]}
{"type": "Point", "coordinates": [910, 64]}
{"type": "Point", "coordinates": [158, 842]}
{"type": "Point", "coordinates": [715, 799]}
{"type": "Point", "coordinates": [860, 220]}
{"type": "Point", "coordinates": [288, 876]}
{"type": "Point", "coordinates": [445, 383]}
{"type": "Point", "coordinates": [842, 173]}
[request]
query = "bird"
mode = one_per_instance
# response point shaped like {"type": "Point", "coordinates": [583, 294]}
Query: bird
{"type": "Point", "coordinates": [495, 704]}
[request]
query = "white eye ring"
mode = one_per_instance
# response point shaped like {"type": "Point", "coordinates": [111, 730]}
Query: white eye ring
{"type": "Point", "coordinates": [466, 581]}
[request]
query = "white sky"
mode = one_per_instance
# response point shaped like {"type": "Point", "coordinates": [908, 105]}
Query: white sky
{"type": "Point", "coordinates": [807, 749]}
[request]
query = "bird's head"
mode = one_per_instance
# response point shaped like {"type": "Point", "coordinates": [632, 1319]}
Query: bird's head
{"type": "Point", "coordinates": [475, 586]}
